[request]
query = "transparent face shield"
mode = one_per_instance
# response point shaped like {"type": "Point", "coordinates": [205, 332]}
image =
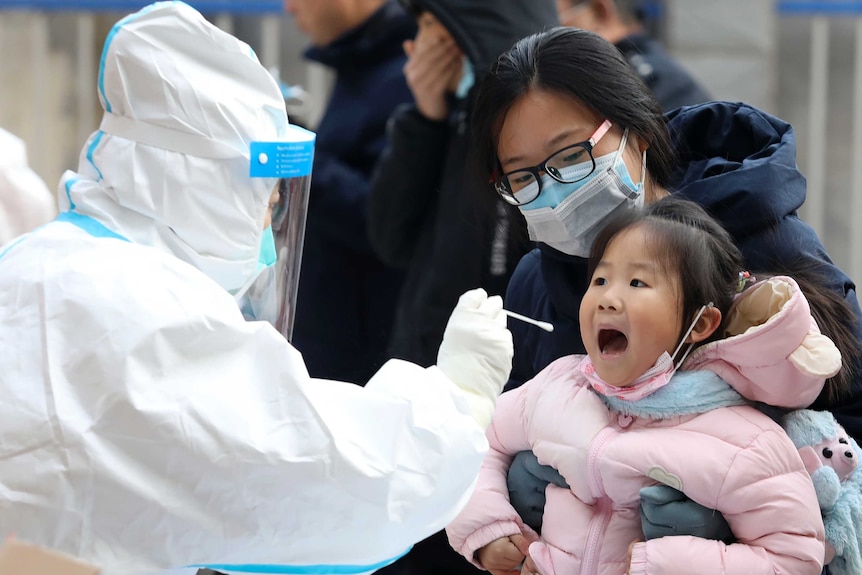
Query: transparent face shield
{"type": "Point", "coordinates": [271, 295]}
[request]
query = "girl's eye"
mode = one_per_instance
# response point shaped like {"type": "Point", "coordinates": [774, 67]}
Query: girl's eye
{"type": "Point", "coordinates": [600, 281]}
{"type": "Point", "coordinates": [637, 283]}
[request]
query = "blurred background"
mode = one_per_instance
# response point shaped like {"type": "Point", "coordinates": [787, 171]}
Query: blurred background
{"type": "Point", "coordinates": [799, 60]}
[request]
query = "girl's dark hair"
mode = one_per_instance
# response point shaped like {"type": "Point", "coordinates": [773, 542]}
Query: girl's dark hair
{"type": "Point", "coordinates": [688, 242]}
{"type": "Point", "coordinates": [580, 65]}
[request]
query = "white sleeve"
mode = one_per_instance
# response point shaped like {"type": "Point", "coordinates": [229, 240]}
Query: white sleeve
{"type": "Point", "coordinates": [183, 435]}
{"type": "Point", "coordinates": [277, 468]}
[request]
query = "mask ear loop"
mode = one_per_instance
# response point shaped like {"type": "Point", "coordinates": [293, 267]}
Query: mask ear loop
{"type": "Point", "coordinates": [621, 149]}
{"type": "Point", "coordinates": [641, 187]}
{"type": "Point", "coordinates": [687, 333]}
{"type": "Point", "coordinates": [643, 172]}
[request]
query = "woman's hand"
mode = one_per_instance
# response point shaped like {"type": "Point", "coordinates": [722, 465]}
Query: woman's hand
{"type": "Point", "coordinates": [505, 555]}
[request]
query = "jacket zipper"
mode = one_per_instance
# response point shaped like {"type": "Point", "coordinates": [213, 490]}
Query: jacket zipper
{"type": "Point", "coordinates": [599, 521]}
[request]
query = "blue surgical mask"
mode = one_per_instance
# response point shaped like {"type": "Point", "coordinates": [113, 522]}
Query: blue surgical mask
{"type": "Point", "coordinates": [568, 217]}
{"type": "Point", "coordinates": [267, 255]}
{"type": "Point", "coordinates": [468, 79]}
{"type": "Point", "coordinates": [258, 298]}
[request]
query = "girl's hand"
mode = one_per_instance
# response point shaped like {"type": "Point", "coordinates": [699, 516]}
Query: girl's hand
{"type": "Point", "coordinates": [504, 556]}
{"type": "Point", "coordinates": [529, 568]}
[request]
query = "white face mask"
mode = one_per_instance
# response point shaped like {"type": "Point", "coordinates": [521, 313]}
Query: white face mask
{"type": "Point", "coordinates": [572, 224]}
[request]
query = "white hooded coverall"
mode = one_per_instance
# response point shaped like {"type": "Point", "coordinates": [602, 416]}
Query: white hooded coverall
{"type": "Point", "coordinates": [145, 424]}
{"type": "Point", "coordinates": [25, 201]}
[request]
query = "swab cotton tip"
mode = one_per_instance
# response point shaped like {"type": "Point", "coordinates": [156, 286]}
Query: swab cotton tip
{"type": "Point", "coordinates": [541, 324]}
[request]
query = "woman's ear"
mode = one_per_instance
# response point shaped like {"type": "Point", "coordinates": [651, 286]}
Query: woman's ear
{"type": "Point", "coordinates": [705, 326]}
{"type": "Point", "coordinates": [638, 145]}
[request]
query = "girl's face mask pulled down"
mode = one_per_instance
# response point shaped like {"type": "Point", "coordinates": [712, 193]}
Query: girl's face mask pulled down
{"type": "Point", "coordinates": [652, 380]}
{"type": "Point", "coordinates": [568, 217]}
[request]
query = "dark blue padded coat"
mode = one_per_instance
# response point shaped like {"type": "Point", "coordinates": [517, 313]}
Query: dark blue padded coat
{"type": "Point", "coordinates": [740, 164]}
{"type": "Point", "coordinates": [347, 296]}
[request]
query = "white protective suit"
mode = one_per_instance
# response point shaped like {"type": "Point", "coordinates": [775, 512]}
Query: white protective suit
{"type": "Point", "coordinates": [25, 202]}
{"type": "Point", "coordinates": [145, 424]}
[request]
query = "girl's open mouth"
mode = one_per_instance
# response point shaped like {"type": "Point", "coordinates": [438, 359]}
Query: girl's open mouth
{"type": "Point", "coordinates": [612, 342]}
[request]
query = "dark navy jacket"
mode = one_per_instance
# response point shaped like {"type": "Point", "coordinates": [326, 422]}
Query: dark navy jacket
{"type": "Point", "coordinates": [669, 82]}
{"type": "Point", "coordinates": [740, 164]}
{"type": "Point", "coordinates": [429, 215]}
{"type": "Point", "coordinates": [347, 295]}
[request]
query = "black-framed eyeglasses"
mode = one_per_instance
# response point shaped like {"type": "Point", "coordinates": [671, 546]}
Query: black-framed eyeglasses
{"type": "Point", "coordinates": [568, 165]}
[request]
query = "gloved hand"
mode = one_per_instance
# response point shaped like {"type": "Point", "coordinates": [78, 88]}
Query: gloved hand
{"type": "Point", "coordinates": [476, 353]}
{"type": "Point", "coordinates": [527, 481]}
{"type": "Point", "coordinates": [666, 511]}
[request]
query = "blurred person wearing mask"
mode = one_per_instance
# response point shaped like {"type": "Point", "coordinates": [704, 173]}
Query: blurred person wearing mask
{"type": "Point", "coordinates": [25, 201]}
{"type": "Point", "coordinates": [146, 423]}
{"type": "Point", "coordinates": [429, 214]}
{"type": "Point", "coordinates": [620, 22]}
{"type": "Point", "coordinates": [346, 294]}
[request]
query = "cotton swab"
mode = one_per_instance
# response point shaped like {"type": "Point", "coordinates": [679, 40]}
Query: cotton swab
{"type": "Point", "coordinates": [541, 324]}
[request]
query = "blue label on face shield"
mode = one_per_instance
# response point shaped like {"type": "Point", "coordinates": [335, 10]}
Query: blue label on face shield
{"type": "Point", "coordinates": [291, 158]}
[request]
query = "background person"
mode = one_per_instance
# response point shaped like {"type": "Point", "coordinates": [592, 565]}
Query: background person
{"type": "Point", "coordinates": [146, 424]}
{"type": "Point", "coordinates": [25, 201]}
{"type": "Point", "coordinates": [428, 215]}
{"type": "Point", "coordinates": [346, 300]}
{"type": "Point", "coordinates": [620, 22]}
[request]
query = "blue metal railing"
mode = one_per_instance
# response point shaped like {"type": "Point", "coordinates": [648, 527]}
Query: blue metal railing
{"type": "Point", "coordinates": [215, 6]}
{"type": "Point", "coordinates": [819, 8]}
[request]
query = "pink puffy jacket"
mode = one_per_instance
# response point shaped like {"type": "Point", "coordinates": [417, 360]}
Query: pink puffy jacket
{"type": "Point", "coordinates": [733, 459]}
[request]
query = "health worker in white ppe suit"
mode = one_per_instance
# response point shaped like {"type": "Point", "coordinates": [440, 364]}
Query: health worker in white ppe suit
{"type": "Point", "coordinates": [25, 200]}
{"type": "Point", "coordinates": [145, 423]}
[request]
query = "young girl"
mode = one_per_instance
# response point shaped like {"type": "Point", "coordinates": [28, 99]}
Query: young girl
{"type": "Point", "coordinates": [663, 280]}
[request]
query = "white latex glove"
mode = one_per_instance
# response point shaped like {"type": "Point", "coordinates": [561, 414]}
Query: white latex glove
{"type": "Point", "coordinates": [476, 353]}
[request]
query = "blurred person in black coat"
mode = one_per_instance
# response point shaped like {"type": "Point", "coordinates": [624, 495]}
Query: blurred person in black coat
{"type": "Point", "coordinates": [346, 294]}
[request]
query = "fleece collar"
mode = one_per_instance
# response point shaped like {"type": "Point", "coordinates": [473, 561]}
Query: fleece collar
{"type": "Point", "coordinates": [687, 393]}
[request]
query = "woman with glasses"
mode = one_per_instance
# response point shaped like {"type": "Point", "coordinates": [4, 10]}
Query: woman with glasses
{"type": "Point", "coordinates": [568, 133]}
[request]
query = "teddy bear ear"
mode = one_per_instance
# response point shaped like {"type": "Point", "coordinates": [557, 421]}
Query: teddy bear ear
{"type": "Point", "coordinates": [816, 356]}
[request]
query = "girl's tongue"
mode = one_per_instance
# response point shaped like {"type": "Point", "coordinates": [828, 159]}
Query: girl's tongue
{"type": "Point", "coordinates": [612, 342]}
